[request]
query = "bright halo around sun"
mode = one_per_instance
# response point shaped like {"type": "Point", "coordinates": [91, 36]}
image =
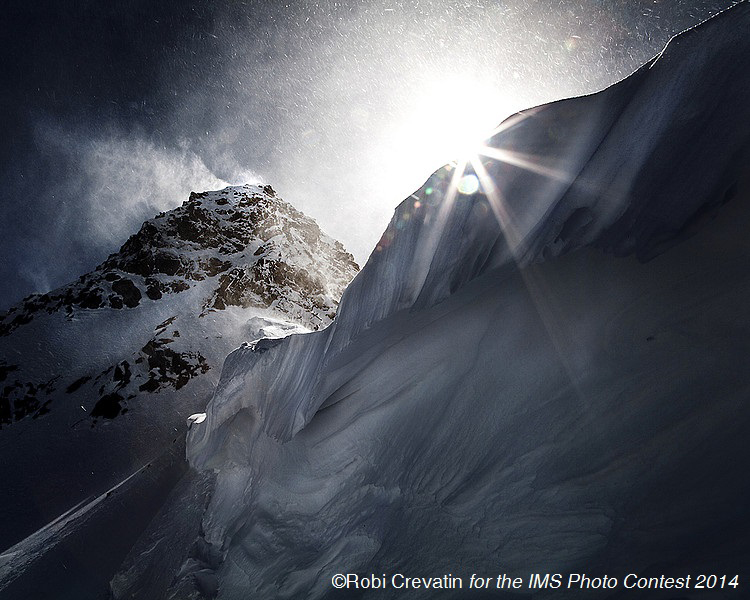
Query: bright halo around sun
{"type": "Point", "coordinates": [449, 121]}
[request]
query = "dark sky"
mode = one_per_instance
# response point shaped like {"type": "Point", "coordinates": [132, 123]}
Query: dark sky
{"type": "Point", "coordinates": [112, 111]}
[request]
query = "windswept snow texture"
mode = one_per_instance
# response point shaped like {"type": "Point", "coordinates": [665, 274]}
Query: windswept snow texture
{"type": "Point", "coordinates": [98, 377]}
{"type": "Point", "coordinates": [531, 378]}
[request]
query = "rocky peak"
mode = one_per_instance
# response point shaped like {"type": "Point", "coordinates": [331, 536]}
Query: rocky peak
{"type": "Point", "coordinates": [255, 249]}
{"type": "Point", "coordinates": [192, 284]}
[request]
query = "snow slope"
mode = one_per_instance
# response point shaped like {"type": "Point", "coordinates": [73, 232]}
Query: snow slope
{"type": "Point", "coordinates": [99, 376]}
{"type": "Point", "coordinates": [547, 375]}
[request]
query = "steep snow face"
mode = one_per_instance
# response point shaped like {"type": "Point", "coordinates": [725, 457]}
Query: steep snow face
{"type": "Point", "coordinates": [120, 358]}
{"type": "Point", "coordinates": [489, 400]}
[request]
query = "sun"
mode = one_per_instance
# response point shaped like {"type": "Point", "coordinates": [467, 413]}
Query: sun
{"type": "Point", "coordinates": [455, 121]}
{"type": "Point", "coordinates": [451, 117]}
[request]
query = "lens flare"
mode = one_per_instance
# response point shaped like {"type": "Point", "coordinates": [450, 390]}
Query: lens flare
{"type": "Point", "coordinates": [468, 184]}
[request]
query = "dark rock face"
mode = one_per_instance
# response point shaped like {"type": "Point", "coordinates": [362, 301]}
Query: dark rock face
{"type": "Point", "coordinates": [282, 284]}
{"type": "Point", "coordinates": [77, 384]}
{"type": "Point", "coordinates": [153, 368]}
{"type": "Point", "coordinates": [168, 367]}
{"type": "Point", "coordinates": [109, 406]}
{"type": "Point", "coordinates": [130, 294]}
{"type": "Point", "coordinates": [21, 399]}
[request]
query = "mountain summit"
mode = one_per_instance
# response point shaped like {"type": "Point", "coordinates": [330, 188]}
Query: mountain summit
{"type": "Point", "coordinates": [220, 252]}
{"type": "Point", "coordinates": [120, 357]}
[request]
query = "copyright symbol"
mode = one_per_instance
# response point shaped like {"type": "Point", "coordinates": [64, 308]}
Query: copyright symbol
{"type": "Point", "coordinates": [338, 581]}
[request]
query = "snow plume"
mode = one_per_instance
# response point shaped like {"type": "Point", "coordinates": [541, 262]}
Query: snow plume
{"type": "Point", "coordinates": [122, 180]}
{"type": "Point", "coordinates": [87, 193]}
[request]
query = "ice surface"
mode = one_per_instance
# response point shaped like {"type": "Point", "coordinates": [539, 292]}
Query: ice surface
{"type": "Point", "coordinates": [545, 376]}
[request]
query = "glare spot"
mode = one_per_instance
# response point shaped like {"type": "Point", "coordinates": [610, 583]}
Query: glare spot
{"type": "Point", "coordinates": [468, 184]}
{"type": "Point", "coordinates": [196, 419]}
{"type": "Point", "coordinates": [572, 43]}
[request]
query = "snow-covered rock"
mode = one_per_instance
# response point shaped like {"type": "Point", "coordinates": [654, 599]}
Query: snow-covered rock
{"type": "Point", "coordinates": [99, 377]}
{"type": "Point", "coordinates": [545, 375]}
